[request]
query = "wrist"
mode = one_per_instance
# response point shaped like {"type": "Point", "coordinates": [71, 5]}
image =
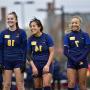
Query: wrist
{"type": "Point", "coordinates": [48, 64]}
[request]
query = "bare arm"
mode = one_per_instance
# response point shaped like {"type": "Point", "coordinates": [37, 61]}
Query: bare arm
{"type": "Point", "coordinates": [51, 56]}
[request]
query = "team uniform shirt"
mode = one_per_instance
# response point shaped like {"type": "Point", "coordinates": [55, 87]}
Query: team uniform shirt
{"type": "Point", "coordinates": [14, 45]}
{"type": "Point", "coordinates": [1, 51]}
{"type": "Point", "coordinates": [38, 48]}
{"type": "Point", "coordinates": [77, 45]}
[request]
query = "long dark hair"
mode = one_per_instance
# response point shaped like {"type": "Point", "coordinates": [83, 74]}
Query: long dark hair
{"type": "Point", "coordinates": [14, 13]}
{"type": "Point", "coordinates": [38, 22]}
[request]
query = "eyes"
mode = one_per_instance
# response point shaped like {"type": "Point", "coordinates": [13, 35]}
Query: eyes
{"type": "Point", "coordinates": [74, 23]}
{"type": "Point", "coordinates": [32, 26]}
{"type": "Point", "coordinates": [10, 18]}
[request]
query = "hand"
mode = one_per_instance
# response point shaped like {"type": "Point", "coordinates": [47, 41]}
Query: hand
{"type": "Point", "coordinates": [27, 62]}
{"type": "Point", "coordinates": [46, 69]}
{"type": "Point", "coordinates": [23, 67]}
{"type": "Point", "coordinates": [34, 71]}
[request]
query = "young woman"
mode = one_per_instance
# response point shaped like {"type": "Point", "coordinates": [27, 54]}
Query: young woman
{"type": "Point", "coordinates": [76, 48]}
{"type": "Point", "coordinates": [40, 53]}
{"type": "Point", "coordinates": [14, 42]}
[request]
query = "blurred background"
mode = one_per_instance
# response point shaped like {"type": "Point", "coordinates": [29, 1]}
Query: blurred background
{"type": "Point", "coordinates": [55, 16]}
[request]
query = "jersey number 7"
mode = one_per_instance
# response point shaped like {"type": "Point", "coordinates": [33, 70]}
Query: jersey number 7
{"type": "Point", "coordinates": [77, 43]}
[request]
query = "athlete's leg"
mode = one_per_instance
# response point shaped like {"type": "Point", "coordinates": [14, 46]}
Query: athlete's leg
{"type": "Point", "coordinates": [38, 83]}
{"type": "Point", "coordinates": [71, 75]}
{"type": "Point", "coordinates": [19, 79]}
{"type": "Point", "coordinates": [82, 78]}
{"type": "Point", "coordinates": [47, 77]}
{"type": "Point", "coordinates": [7, 75]}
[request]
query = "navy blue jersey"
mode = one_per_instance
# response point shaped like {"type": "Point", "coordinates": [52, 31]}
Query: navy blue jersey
{"type": "Point", "coordinates": [77, 44]}
{"type": "Point", "coordinates": [1, 79]}
{"type": "Point", "coordinates": [1, 50]}
{"type": "Point", "coordinates": [14, 44]}
{"type": "Point", "coordinates": [38, 47]}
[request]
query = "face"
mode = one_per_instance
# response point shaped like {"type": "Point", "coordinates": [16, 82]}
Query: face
{"type": "Point", "coordinates": [75, 24]}
{"type": "Point", "coordinates": [11, 20]}
{"type": "Point", "coordinates": [35, 29]}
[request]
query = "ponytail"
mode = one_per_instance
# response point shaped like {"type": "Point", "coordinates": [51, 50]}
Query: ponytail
{"type": "Point", "coordinates": [14, 13]}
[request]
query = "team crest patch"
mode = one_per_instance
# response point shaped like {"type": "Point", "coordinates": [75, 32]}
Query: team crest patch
{"type": "Point", "coordinates": [6, 36]}
{"type": "Point", "coordinates": [17, 35]}
{"type": "Point", "coordinates": [33, 43]}
{"type": "Point", "coordinates": [72, 38]}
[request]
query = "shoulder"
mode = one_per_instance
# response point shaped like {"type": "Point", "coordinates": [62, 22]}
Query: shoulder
{"type": "Point", "coordinates": [5, 31]}
{"type": "Point", "coordinates": [22, 30]}
{"type": "Point", "coordinates": [30, 38]}
{"type": "Point", "coordinates": [47, 35]}
{"type": "Point", "coordinates": [84, 33]}
{"type": "Point", "coordinates": [68, 34]}
{"type": "Point", "coordinates": [49, 40]}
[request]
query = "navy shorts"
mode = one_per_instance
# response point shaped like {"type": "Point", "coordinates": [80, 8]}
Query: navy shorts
{"type": "Point", "coordinates": [40, 69]}
{"type": "Point", "coordinates": [10, 65]}
{"type": "Point", "coordinates": [77, 65]}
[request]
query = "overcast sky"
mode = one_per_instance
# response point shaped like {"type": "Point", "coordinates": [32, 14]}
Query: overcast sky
{"type": "Point", "coordinates": [30, 11]}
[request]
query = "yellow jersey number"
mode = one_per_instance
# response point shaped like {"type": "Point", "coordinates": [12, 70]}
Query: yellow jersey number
{"type": "Point", "coordinates": [77, 43]}
{"type": "Point", "coordinates": [38, 48]}
{"type": "Point", "coordinates": [10, 42]}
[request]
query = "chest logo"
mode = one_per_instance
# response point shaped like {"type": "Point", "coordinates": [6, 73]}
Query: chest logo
{"type": "Point", "coordinates": [33, 43]}
{"type": "Point", "coordinates": [6, 36]}
{"type": "Point", "coordinates": [72, 38]}
{"type": "Point", "coordinates": [17, 35]}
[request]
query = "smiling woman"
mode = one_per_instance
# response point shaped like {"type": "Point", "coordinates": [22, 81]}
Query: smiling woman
{"type": "Point", "coordinates": [13, 43]}
{"type": "Point", "coordinates": [40, 55]}
{"type": "Point", "coordinates": [76, 49]}
{"type": "Point", "coordinates": [12, 21]}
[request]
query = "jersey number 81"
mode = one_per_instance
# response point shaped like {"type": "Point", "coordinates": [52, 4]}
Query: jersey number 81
{"type": "Point", "coordinates": [10, 42]}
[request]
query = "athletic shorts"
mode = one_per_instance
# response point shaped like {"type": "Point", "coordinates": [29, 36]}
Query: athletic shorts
{"type": "Point", "coordinates": [40, 70]}
{"type": "Point", "coordinates": [10, 65]}
{"type": "Point", "coordinates": [77, 65]}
